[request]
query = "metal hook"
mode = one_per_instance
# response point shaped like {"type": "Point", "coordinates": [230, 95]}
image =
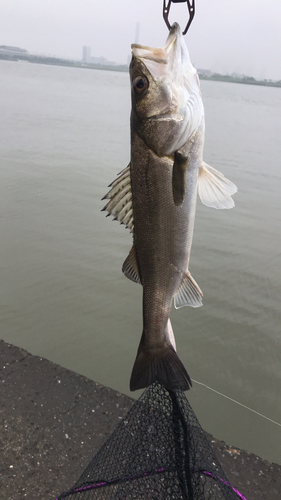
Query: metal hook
{"type": "Point", "coordinates": [191, 10]}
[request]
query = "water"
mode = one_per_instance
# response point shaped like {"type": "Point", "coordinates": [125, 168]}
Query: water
{"type": "Point", "coordinates": [64, 135]}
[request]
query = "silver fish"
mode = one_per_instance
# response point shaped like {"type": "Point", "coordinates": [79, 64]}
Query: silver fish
{"type": "Point", "coordinates": [155, 197]}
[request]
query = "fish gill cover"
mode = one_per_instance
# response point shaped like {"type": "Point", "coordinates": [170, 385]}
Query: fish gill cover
{"type": "Point", "coordinates": [158, 452]}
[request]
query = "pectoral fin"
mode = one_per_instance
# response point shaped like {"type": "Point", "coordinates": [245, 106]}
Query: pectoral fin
{"type": "Point", "coordinates": [214, 188]}
{"type": "Point", "coordinates": [189, 293]}
{"type": "Point", "coordinates": [179, 177]}
{"type": "Point", "coordinates": [130, 267]}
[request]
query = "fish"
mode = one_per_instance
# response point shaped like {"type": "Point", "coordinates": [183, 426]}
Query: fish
{"type": "Point", "coordinates": [155, 198]}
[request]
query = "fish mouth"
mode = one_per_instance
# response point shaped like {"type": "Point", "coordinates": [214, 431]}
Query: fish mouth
{"type": "Point", "coordinates": [175, 32]}
{"type": "Point", "coordinates": [161, 55]}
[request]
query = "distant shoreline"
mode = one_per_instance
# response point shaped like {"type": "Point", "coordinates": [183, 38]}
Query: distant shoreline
{"type": "Point", "coordinates": [54, 61]}
{"type": "Point", "coordinates": [247, 80]}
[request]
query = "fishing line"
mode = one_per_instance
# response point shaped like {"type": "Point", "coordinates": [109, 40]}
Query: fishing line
{"type": "Point", "coordinates": [237, 402]}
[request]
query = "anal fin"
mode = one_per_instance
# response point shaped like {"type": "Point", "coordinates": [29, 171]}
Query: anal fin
{"type": "Point", "coordinates": [171, 334]}
{"type": "Point", "coordinates": [189, 293]}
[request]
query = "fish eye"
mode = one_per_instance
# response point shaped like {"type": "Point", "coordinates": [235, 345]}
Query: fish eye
{"type": "Point", "coordinates": [140, 84]}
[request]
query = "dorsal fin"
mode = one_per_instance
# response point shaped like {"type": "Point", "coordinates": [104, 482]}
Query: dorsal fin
{"type": "Point", "coordinates": [120, 199]}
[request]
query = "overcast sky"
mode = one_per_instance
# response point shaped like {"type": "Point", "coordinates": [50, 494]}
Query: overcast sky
{"type": "Point", "coordinates": [242, 36]}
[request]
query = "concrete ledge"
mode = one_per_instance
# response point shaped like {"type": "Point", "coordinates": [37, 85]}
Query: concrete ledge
{"type": "Point", "coordinates": [53, 421]}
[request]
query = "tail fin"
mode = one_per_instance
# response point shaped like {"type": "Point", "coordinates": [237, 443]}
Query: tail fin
{"type": "Point", "coordinates": [161, 364]}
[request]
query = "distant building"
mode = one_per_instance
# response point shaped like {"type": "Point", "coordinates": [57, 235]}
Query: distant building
{"type": "Point", "coordinates": [102, 60]}
{"type": "Point", "coordinates": [86, 56]}
{"type": "Point", "coordinates": [8, 50]}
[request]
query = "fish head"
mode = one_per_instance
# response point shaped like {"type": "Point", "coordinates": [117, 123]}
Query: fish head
{"type": "Point", "coordinates": [167, 106]}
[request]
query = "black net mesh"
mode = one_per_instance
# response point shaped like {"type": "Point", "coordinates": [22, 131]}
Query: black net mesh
{"type": "Point", "coordinates": [158, 452]}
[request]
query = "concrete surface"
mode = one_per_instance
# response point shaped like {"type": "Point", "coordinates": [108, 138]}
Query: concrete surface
{"type": "Point", "coordinates": [53, 421]}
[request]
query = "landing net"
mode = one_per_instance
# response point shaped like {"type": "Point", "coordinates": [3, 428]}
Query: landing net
{"type": "Point", "coordinates": [158, 452]}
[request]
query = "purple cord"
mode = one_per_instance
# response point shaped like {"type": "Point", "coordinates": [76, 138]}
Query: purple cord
{"type": "Point", "coordinates": [105, 483]}
{"type": "Point", "coordinates": [108, 483]}
{"type": "Point", "coordinates": [226, 483]}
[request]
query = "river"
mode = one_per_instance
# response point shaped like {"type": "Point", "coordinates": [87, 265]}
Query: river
{"type": "Point", "coordinates": [64, 136]}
